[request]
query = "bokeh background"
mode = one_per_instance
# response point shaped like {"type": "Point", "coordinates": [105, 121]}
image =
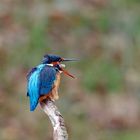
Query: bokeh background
{"type": "Point", "coordinates": [104, 102]}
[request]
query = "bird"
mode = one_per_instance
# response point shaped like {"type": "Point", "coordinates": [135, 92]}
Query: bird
{"type": "Point", "coordinates": [43, 80]}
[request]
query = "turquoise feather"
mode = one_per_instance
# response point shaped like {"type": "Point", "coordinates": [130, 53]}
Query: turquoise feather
{"type": "Point", "coordinates": [33, 87]}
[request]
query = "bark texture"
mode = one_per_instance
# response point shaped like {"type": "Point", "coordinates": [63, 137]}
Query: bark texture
{"type": "Point", "coordinates": [59, 129]}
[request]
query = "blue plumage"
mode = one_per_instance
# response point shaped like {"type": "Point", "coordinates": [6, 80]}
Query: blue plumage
{"type": "Point", "coordinates": [49, 58]}
{"type": "Point", "coordinates": [33, 86]}
{"type": "Point", "coordinates": [40, 82]}
{"type": "Point", "coordinates": [47, 78]}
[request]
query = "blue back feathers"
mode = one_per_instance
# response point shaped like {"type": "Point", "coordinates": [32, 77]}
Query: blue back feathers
{"type": "Point", "coordinates": [39, 82]}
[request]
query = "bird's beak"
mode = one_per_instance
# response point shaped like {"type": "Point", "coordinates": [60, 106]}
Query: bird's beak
{"type": "Point", "coordinates": [69, 59]}
{"type": "Point", "coordinates": [67, 73]}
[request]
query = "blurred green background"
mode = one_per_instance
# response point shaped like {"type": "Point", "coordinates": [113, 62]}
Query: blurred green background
{"type": "Point", "coordinates": [103, 103]}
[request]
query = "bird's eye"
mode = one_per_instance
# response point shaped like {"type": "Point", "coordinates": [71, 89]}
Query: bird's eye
{"type": "Point", "coordinates": [61, 59]}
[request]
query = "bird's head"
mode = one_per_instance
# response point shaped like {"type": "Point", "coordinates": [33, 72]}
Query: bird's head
{"type": "Point", "coordinates": [55, 61]}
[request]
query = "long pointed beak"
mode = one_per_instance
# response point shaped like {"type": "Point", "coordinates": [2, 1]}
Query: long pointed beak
{"type": "Point", "coordinates": [69, 59]}
{"type": "Point", "coordinates": [67, 73]}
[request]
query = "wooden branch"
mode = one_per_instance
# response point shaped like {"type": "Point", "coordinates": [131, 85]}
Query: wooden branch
{"type": "Point", "coordinates": [49, 107]}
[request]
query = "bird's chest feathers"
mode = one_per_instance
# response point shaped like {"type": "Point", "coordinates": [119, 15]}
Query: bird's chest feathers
{"type": "Point", "coordinates": [56, 87]}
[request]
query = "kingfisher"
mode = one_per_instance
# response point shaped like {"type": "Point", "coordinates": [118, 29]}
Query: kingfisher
{"type": "Point", "coordinates": [44, 79]}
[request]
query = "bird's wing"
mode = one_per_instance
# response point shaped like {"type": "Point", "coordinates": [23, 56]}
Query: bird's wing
{"type": "Point", "coordinates": [31, 71]}
{"type": "Point", "coordinates": [47, 78]}
{"type": "Point", "coordinates": [29, 74]}
{"type": "Point", "coordinates": [33, 86]}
